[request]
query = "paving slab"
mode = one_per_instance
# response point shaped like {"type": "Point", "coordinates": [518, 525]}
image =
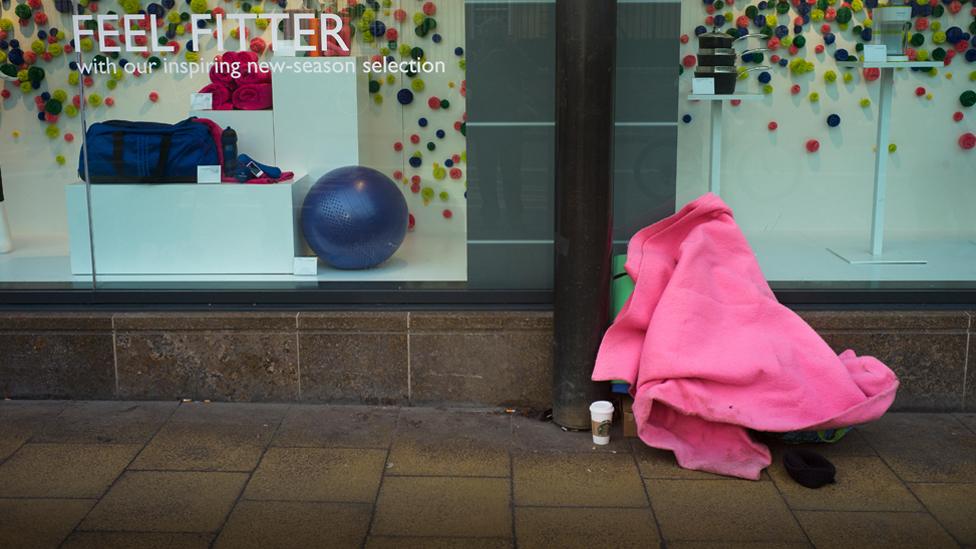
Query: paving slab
{"type": "Point", "coordinates": [722, 510]}
{"type": "Point", "coordinates": [201, 446]}
{"type": "Point", "coordinates": [39, 523]}
{"type": "Point", "coordinates": [451, 443]}
{"type": "Point", "coordinates": [862, 484]}
{"type": "Point", "coordinates": [318, 474]}
{"type": "Point", "coordinates": [531, 434]}
{"type": "Point", "coordinates": [286, 524]}
{"type": "Point", "coordinates": [870, 530]}
{"type": "Point", "coordinates": [167, 502]}
{"type": "Point", "coordinates": [925, 447]}
{"type": "Point", "coordinates": [140, 540]}
{"type": "Point", "coordinates": [587, 479]}
{"type": "Point", "coordinates": [99, 422]}
{"type": "Point", "coordinates": [64, 470]}
{"type": "Point", "coordinates": [20, 419]}
{"type": "Point", "coordinates": [439, 506]}
{"type": "Point", "coordinates": [337, 426]}
{"type": "Point", "coordinates": [393, 542]}
{"type": "Point", "coordinates": [953, 505]}
{"type": "Point", "coordinates": [578, 527]}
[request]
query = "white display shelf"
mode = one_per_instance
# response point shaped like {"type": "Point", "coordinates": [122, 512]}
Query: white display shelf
{"type": "Point", "coordinates": [874, 253]}
{"type": "Point", "coordinates": [715, 103]}
{"type": "Point", "coordinates": [725, 97]}
{"type": "Point", "coordinates": [890, 64]}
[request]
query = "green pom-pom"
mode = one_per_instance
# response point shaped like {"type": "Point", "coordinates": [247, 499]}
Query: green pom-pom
{"type": "Point", "coordinates": [35, 74]}
{"type": "Point", "coordinates": [23, 11]}
{"type": "Point", "coordinates": [11, 70]}
{"type": "Point", "coordinates": [374, 86]}
{"type": "Point", "coordinates": [53, 106]}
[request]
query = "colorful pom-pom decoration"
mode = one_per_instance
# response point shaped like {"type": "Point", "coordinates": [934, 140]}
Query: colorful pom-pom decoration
{"type": "Point", "coordinates": [967, 141]}
{"type": "Point", "coordinates": [813, 146]}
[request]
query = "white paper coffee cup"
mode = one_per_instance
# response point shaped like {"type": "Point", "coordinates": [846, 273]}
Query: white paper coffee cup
{"type": "Point", "coordinates": [601, 418]}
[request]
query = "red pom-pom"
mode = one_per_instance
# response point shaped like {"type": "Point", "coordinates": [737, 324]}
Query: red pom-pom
{"type": "Point", "coordinates": [813, 146]}
{"type": "Point", "coordinates": [919, 91]}
{"type": "Point", "coordinates": [69, 137]}
{"type": "Point", "coordinates": [456, 173]}
{"type": "Point", "coordinates": [819, 48]}
{"type": "Point", "coordinates": [415, 180]}
{"type": "Point", "coordinates": [448, 214]}
{"type": "Point", "coordinates": [872, 74]}
{"type": "Point", "coordinates": [434, 103]}
{"type": "Point", "coordinates": [684, 39]}
{"type": "Point", "coordinates": [415, 139]}
{"type": "Point", "coordinates": [689, 61]}
{"type": "Point", "coordinates": [397, 175]}
{"type": "Point", "coordinates": [153, 96]}
{"type": "Point", "coordinates": [398, 146]}
{"type": "Point", "coordinates": [429, 9]}
{"type": "Point", "coordinates": [773, 126]}
{"type": "Point", "coordinates": [400, 15]}
{"type": "Point", "coordinates": [736, 102]}
{"type": "Point", "coordinates": [411, 222]}
{"type": "Point", "coordinates": [5, 94]}
{"type": "Point", "coordinates": [796, 89]}
{"type": "Point", "coordinates": [967, 141]}
{"type": "Point", "coordinates": [958, 116]}
{"type": "Point", "coordinates": [392, 34]}
{"type": "Point", "coordinates": [109, 102]}
{"type": "Point", "coordinates": [415, 187]}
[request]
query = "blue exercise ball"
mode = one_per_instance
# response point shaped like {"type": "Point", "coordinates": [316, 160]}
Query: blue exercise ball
{"type": "Point", "coordinates": [354, 218]}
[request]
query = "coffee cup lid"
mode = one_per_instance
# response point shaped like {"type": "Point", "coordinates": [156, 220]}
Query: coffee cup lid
{"type": "Point", "coordinates": [601, 407]}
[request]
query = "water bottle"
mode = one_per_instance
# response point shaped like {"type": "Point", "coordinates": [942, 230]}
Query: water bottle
{"type": "Point", "coordinates": [228, 141]}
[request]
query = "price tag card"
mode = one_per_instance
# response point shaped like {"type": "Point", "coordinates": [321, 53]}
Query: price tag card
{"type": "Point", "coordinates": [875, 53]}
{"type": "Point", "coordinates": [703, 86]}
{"type": "Point", "coordinates": [208, 174]}
{"type": "Point", "coordinates": [201, 101]}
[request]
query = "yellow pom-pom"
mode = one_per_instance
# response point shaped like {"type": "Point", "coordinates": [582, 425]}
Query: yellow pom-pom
{"type": "Point", "coordinates": [87, 44]}
{"type": "Point", "coordinates": [111, 84]}
{"type": "Point", "coordinates": [830, 77]}
{"type": "Point", "coordinates": [71, 111]}
{"type": "Point", "coordinates": [60, 159]}
{"type": "Point", "coordinates": [25, 87]}
{"type": "Point", "coordinates": [929, 96]}
{"type": "Point", "coordinates": [95, 100]}
{"type": "Point", "coordinates": [939, 37]}
{"type": "Point", "coordinates": [378, 99]}
{"type": "Point", "coordinates": [73, 78]}
{"type": "Point", "coordinates": [814, 97]}
{"type": "Point", "coordinates": [848, 77]}
{"type": "Point", "coordinates": [418, 85]}
{"type": "Point", "coordinates": [865, 102]}
{"type": "Point", "coordinates": [418, 18]}
{"type": "Point", "coordinates": [37, 47]}
{"type": "Point", "coordinates": [192, 56]}
{"type": "Point", "coordinates": [390, 79]}
{"type": "Point", "coordinates": [6, 25]}
{"type": "Point", "coordinates": [52, 132]}
{"type": "Point", "coordinates": [55, 49]}
{"type": "Point", "coordinates": [15, 134]}
{"type": "Point", "coordinates": [60, 95]}
{"type": "Point", "coordinates": [892, 148]}
{"type": "Point", "coordinates": [3, 56]}
{"type": "Point", "coordinates": [261, 24]}
{"type": "Point", "coordinates": [768, 89]}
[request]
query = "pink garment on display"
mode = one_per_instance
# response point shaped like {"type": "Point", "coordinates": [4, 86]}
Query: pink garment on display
{"type": "Point", "coordinates": [221, 97]}
{"type": "Point", "coordinates": [252, 97]}
{"type": "Point", "coordinates": [709, 352]}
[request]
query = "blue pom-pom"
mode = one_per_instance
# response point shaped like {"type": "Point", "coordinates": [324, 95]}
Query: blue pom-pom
{"type": "Point", "coordinates": [459, 51]}
{"type": "Point", "coordinates": [440, 134]}
{"type": "Point", "coordinates": [833, 120]}
{"type": "Point", "coordinates": [765, 77]}
{"type": "Point", "coordinates": [449, 163]}
{"type": "Point", "coordinates": [40, 116]}
{"type": "Point", "coordinates": [405, 96]}
{"type": "Point", "coordinates": [686, 119]}
{"type": "Point", "coordinates": [416, 161]}
{"type": "Point", "coordinates": [422, 122]}
{"type": "Point", "coordinates": [436, 38]}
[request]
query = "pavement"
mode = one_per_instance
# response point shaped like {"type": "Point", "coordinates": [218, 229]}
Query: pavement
{"type": "Point", "coordinates": [197, 475]}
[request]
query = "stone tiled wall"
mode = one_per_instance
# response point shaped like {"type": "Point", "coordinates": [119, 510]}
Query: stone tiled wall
{"type": "Point", "coordinates": [456, 358]}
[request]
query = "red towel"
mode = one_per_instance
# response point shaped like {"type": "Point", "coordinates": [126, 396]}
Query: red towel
{"type": "Point", "coordinates": [221, 97]}
{"type": "Point", "coordinates": [221, 73]}
{"type": "Point", "coordinates": [252, 97]}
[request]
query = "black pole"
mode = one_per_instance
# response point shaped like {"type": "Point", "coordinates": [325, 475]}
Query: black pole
{"type": "Point", "coordinates": [586, 39]}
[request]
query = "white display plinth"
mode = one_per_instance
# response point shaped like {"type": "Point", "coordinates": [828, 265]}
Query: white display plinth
{"type": "Point", "coordinates": [175, 229]}
{"type": "Point", "coordinates": [716, 101]}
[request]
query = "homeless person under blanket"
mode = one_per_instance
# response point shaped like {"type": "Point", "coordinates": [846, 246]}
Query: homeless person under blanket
{"type": "Point", "coordinates": [709, 353]}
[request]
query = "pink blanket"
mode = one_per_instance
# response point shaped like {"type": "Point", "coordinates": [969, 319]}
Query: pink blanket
{"type": "Point", "coordinates": [710, 353]}
{"type": "Point", "coordinates": [252, 97]}
{"type": "Point", "coordinates": [221, 97]}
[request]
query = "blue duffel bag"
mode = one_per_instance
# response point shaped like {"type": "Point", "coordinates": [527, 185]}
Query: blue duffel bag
{"type": "Point", "coordinates": [146, 152]}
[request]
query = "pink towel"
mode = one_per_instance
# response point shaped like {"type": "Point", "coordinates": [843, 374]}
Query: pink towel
{"type": "Point", "coordinates": [710, 353]}
{"type": "Point", "coordinates": [252, 97]}
{"type": "Point", "coordinates": [221, 97]}
{"type": "Point", "coordinates": [221, 72]}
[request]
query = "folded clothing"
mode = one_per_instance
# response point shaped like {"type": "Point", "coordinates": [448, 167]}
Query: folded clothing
{"type": "Point", "coordinates": [221, 95]}
{"type": "Point", "coordinates": [252, 97]}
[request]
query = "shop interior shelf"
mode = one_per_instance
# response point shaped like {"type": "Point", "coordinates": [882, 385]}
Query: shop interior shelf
{"type": "Point", "coordinates": [890, 64]}
{"type": "Point", "coordinates": [725, 97]}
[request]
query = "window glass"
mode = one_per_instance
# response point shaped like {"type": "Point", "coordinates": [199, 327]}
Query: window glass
{"type": "Point", "coordinates": [40, 138]}
{"type": "Point", "coordinates": [833, 187]}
